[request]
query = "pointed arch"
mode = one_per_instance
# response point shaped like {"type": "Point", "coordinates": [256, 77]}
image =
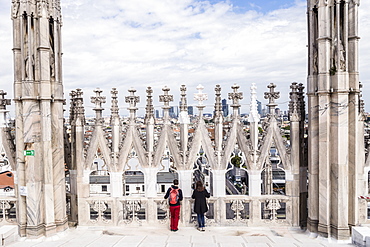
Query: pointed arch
{"type": "Point", "coordinates": [166, 139]}
{"type": "Point", "coordinates": [98, 142]}
{"type": "Point", "coordinates": [273, 136]}
{"type": "Point", "coordinates": [131, 141]}
{"type": "Point", "coordinates": [236, 136]}
{"type": "Point", "coordinates": [201, 139]}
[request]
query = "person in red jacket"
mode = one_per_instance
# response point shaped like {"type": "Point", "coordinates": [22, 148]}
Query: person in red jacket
{"type": "Point", "coordinates": [174, 193]}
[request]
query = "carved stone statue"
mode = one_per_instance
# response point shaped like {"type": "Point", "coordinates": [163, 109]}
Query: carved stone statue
{"type": "Point", "coordinates": [15, 8]}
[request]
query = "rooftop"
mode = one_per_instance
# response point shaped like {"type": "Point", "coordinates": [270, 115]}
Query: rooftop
{"type": "Point", "coordinates": [186, 236]}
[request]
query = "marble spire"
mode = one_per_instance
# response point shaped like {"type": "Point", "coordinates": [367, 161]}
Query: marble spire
{"type": "Point", "coordinates": [272, 96]}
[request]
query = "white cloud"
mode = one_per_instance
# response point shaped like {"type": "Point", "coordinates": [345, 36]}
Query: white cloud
{"type": "Point", "coordinates": [172, 42]}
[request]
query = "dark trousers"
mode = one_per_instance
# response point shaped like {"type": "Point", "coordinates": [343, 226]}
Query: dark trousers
{"type": "Point", "coordinates": [175, 216]}
{"type": "Point", "coordinates": [200, 218]}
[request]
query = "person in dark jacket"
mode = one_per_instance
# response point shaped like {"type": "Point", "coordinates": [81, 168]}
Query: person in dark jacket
{"type": "Point", "coordinates": [200, 205]}
{"type": "Point", "coordinates": [174, 207]}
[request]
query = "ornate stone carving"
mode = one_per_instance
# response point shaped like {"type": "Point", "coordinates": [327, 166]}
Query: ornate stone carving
{"type": "Point", "coordinates": [294, 104]}
{"type": "Point", "coordinates": [235, 96]}
{"type": "Point", "coordinates": [114, 109]}
{"type": "Point", "coordinates": [166, 98]}
{"type": "Point", "coordinates": [98, 211]}
{"type": "Point", "coordinates": [132, 99]}
{"type": "Point", "coordinates": [238, 206]}
{"type": "Point", "coordinates": [15, 8]}
{"type": "Point", "coordinates": [253, 115]}
{"type": "Point", "coordinates": [272, 205]}
{"type": "Point", "coordinates": [98, 100]}
{"type": "Point", "coordinates": [272, 96]}
{"type": "Point", "coordinates": [200, 96]}
{"type": "Point", "coordinates": [149, 104]}
{"type": "Point", "coordinates": [162, 206]}
{"type": "Point", "coordinates": [5, 206]}
{"type": "Point", "coordinates": [131, 209]}
{"type": "Point", "coordinates": [218, 104]}
{"type": "Point", "coordinates": [183, 103]}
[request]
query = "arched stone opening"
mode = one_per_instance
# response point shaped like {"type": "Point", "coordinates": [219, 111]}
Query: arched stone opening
{"type": "Point", "coordinates": [99, 179]}
{"type": "Point", "coordinates": [237, 179]}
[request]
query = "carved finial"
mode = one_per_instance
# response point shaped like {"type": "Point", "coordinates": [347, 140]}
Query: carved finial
{"type": "Point", "coordinates": [235, 96]}
{"type": "Point", "coordinates": [294, 107]}
{"type": "Point", "coordinates": [183, 103]}
{"type": "Point", "coordinates": [3, 103]}
{"type": "Point", "coordinates": [166, 99]}
{"type": "Point", "coordinates": [77, 110]}
{"type": "Point", "coordinates": [253, 115]}
{"type": "Point", "coordinates": [149, 104]}
{"type": "Point", "coordinates": [114, 108]}
{"type": "Point", "coordinates": [183, 116]}
{"type": "Point", "coordinates": [98, 100]}
{"type": "Point", "coordinates": [200, 96]}
{"type": "Point", "coordinates": [218, 104]}
{"type": "Point", "coordinates": [301, 100]}
{"type": "Point", "coordinates": [15, 8]}
{"type": "Point", "coordinates": [132, 100]}
{"type": "Point", "coordinates": [72, 107]}
{"type": "Point", "coordinates": [361, 107]}
{"type": "Point", "coordinates": [271, 96]}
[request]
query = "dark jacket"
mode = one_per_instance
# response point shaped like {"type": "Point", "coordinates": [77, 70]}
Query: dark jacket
{"type": "Point", "coordinates": [200, 204]}
{"type": "Point", "coordinates": [168, 194]}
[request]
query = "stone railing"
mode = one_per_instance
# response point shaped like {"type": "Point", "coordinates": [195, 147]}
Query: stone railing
{"type": "Point", "coordinates": [8, 214]}
{"type": "Point", "coordinates": [227, 211]}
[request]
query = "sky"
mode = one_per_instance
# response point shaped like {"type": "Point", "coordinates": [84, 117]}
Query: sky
{"type": "Point", "coordinates": [157, 43]}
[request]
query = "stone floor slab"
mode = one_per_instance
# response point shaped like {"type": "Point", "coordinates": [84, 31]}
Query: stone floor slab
{"type": "Point", "coordinates": [155, 239]}
{"type": "Point", "coordinates": [174, 244]}
{"type": "Point", "coordinates": [202, 239]}
{"type": "Point", "coordinates": [229, 239]}
{"type": "Point", "coordinates": [231, 244]}
{"type": "Point", "coordinates": [257, 245]}
{"type": "Point", "coordinates": [283, 245]}
{"type": "Point", "coordinates": [179, 239]}
{"type": "Point", "coordinates": [257, 239]}
{"type": "Point", "coordinates": [281, 241]}
{"type": "Point", "coordinates": [105, 240]}
{"type": "Point", "coordinates": [205, 245]}
{"type": "Point", "coordinates": [185, 237]}
{"type": "Point", "coordinates": [129, 241]}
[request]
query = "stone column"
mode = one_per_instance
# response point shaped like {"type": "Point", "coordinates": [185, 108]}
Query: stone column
{"type": "Point", "coordinates": [254, 182]}
{"type": "Point", "coordinates": [219, 189]}
{"type": "Point", "coordinates": [357, 177]}
{"type": "Point", "coordinates": [185, 182]}
{"type": "Point", "coordinates": [150, 181]}
{"type": "Point", "coordinates": [293, 184]}
{"type": "Point", "coordinates": [149, 121]}
{"type": "Point", "coordinates": [253, 120]}
{"type": "Point", "coordinates": [184, 122]}
{"type": "Point", "coordinates": [39, 96]}
{"type": "Point", "coordinates": [80, 189]}
{"type": "Point", "coordinates": [116, 185]}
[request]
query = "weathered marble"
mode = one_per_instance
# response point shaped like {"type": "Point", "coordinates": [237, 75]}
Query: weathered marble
{"type": "Point", "coordinates": [335, 154]}
{"type": "Point", "coordinates": [39, 119]}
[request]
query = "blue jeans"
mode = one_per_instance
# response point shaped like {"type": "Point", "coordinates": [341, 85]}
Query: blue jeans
{"type": "Point", "coordinates": [200, 218]}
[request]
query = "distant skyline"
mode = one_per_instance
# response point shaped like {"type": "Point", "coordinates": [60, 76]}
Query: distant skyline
{"type": "Point", "coordinates": [155, 43]}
